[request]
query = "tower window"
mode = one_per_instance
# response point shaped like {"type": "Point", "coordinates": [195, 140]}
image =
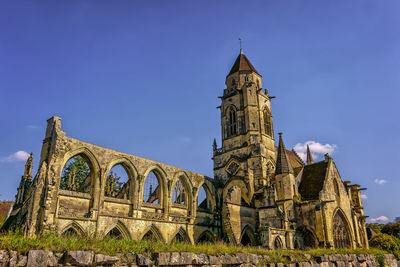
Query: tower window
{"type": "Point", "coordinates": [246, 78]}
{"type": "Point", "coordinates": [268, 122]}
{"type": "Point", "coordinates": [233, 82]}
{"type": "Point", "coordinates": [232, 122]}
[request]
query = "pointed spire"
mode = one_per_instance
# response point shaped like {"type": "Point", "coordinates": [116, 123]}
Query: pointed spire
{"type": "Point", "coordinates": [242, 63]}
{"type": "Point", "coordinates": [309, 156]}
{"type": "Point", "coordinates": [215, 144]}
{"type": "Point", "coordinates": [282, 162]}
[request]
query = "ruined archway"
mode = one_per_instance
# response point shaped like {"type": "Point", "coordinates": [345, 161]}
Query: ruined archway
{"type": "Point", "coordinates": [181, 237]}
{"type": "Point", "coordinates": [340, 230]}
{"type": "Point", "coordinates": [278, 244]}
{"type": "Point", "coordinates": [206, 237]}
{"type": "Point", "coordinates": [247, 238]}
{"type": "Point", "coordinates": [153, 235]}
{"type": "Point", "coordinates": [118, 183]}
{"type": "Point", "coordinates": [77, 174]}
{"type": "Point", "coordinates": [154, 187]}
{"type": "Point", "coordinates": [308, 237]}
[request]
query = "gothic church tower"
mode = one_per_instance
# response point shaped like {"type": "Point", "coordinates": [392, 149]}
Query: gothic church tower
{"type": "Point", "coordinates": [248, 150]}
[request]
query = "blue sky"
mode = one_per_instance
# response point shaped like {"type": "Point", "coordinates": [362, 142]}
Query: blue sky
{"type": "Point", "coordinates": [143, 77]}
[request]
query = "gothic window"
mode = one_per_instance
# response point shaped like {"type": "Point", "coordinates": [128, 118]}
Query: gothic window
{"type": "Point", "coordinates": [115, 234]}
{"type": "Point", "coordinates": [233, 82]}
{"type": "Point", "coordinates": [117, 183]}
{"type": "Point", "coordinates": [268, 122]}
{"type": "Point", "coordinates": [246, 78]}
{"type": "Point", "coordinates": [340, 232]}
{"type": "Point", "coordinates": [152, 189]}
{"type": "Point", "coordinates": [232, 122]}
{"type": "Point", "coordinates": [278, 243]}
{"type": "Point", "coordinates": [71, 232]}
{"type": "Point", "coordinates": [77, 174]}
{"type": "Point", "coordinates": [206, 237]}
{"type": "Point", "coordinates": [179, 195]}
{"type": "Point", "coordinates": [203, 199]}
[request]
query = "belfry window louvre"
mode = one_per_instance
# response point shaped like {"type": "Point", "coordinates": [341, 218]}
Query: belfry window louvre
{"type": "Point", "coordinates": [268, 122]}
{"type": "Point", "coordinates": [232, 123]}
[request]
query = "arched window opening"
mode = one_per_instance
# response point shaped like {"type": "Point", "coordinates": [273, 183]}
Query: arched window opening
{"type": "Point", "coordinates": [297, 243]}
{"type": "Point", "coordinates": [115, 234]}
{"type": "Point", "coordinates": [150, 236]}
{"type": "Point", "coordinates": [203, 201]}
{"type": "Point", "coordinates": [233, 82]}
{"type": "Point", "coordinates": [70, 232]}
{"type": "Point", "coordinates": [245, 241]}
{"type": "Point", "coordinates": [232, 122]}
{"type": "Point", "coordinates": [278, 243]}
{"type": "Point", "coordinates": [179, 194]}
{"type": "Point", "coordinates": [309, 240]}
{"type": "Point", "coordinates": [152, 189]}
{"type": "Point", "coordinates": [77, 174]}
{"type": "Point", "coordinates": [268, 122]}
{"type": "Point", "coordinates": [117, 183]}
{"type": "Point", "coordinates": [206, 237]}
{"type": "Point", "coordinates": [340, 232]}
{"type": "Point", "coordinates": [181, 237]}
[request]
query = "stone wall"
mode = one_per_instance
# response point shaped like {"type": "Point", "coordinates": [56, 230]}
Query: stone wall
{"type": "Point", "coordinates": [179, 259]}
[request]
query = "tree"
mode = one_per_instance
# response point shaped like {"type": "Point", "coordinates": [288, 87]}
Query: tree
{"type": "Point", "coordinates": [392, 229]}
{"type": "Point", "coordinates": [75, 175]}
{"type": "Point", "coordinates": [386, 242]}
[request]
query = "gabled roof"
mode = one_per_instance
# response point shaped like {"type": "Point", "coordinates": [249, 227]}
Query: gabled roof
{"type": "Point", "coordinates": [312, 180]}
{"type": "Point", "coordinates": [242, 63]}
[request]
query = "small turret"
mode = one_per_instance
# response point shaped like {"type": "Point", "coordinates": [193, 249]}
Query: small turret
{"type": "Point", "coordinates": [282, 162]}
{"type": "Point", "coordinates": [309, 156]}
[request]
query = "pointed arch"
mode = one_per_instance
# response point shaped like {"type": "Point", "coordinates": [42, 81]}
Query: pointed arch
{"type": "Point", "coordinates": [247, 236]}
{"type": "Point", "coordinates": [209, 203]}
{"type": "Point", "coordinates": [162, 179]}
{"type": "Point", "coordinates": [181, 236]}
{"type": "Point", "coordinates": [94, 166]}
{"type": "Point", "coordinates": [231, 121]}
{"type": "Point", "coordinates": [307, 236]}
{"type": "Point", "coordinates": [206, 237]}
{"type": "Point", "coordinates": [184, 192]}
{"type": "Point", "coordinates": [278, 244]}
{"type": "Point", "coordinates": [153, 234]}
{"type": "Point", "coordinates": [118, 231]}
{"type": "Point", "coordinates": [268, 129]}
{"type": "Point", "coordinates": [341, 232]}
{"type": "Point", "coordinates": [74, 228]}
{"type": "Point", "coordinates": [130, 170]}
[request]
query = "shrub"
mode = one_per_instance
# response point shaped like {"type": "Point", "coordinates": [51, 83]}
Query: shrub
{"type": "Point", "coordinates": [391, 229]}
{"type": "Point", "coordinates": [386, 242]}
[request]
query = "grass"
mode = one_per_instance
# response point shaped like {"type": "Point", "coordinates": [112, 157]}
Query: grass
{"type": "Point", "coordinates": [50, 241]}
{"type": "Point", "coordinates": [17, 241]}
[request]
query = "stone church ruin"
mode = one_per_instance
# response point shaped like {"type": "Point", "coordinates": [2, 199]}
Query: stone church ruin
{"type": "Point", "coordinates": [261, 194]}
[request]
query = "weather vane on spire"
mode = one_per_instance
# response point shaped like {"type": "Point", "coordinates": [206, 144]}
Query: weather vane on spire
{"type": "Point", "coordinates": [240, 43]}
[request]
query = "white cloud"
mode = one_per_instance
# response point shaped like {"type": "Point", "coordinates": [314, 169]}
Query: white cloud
{"type": "Point", "coordinates": [380, 219]}
{"type": "Point", "coordinates": [380, 181]}
{"type": "Point", "coordinates": [17, 156]}
{"type": "Point", "coordinates": [363, 196]}
{"type": "Point", "coordinates": [316, 149]}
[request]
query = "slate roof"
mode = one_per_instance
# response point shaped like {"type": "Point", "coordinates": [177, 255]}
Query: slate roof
{"type": "Point", "coordinates": [282, 160]}
{"type": "Point", "coordinates": [312, 180]}
{"type": "Point", "coordinates": [242, 63]}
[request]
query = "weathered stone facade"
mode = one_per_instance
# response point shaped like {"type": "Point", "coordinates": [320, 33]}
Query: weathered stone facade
{"type": "Point", "coordinates": [261, 194]}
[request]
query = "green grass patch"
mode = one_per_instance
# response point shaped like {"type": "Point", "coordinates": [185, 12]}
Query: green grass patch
{"type": "Point", "coordinates": [17, 241]}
